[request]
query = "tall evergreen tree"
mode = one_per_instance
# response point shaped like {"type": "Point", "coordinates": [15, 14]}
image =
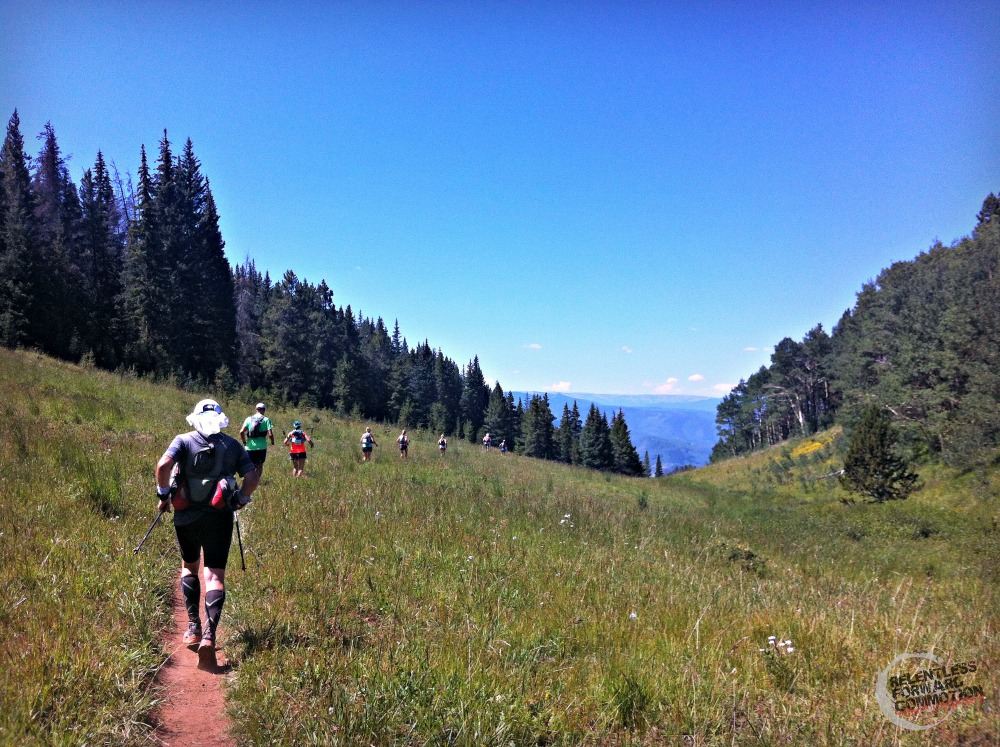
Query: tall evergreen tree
{"type": "Point", "coordinates": [102, 252]}
{"type": "Point", "coordinates": [596, 450]}
{"type": "Point", "coordinates": [447, 407]}
{"type": "Point", "coordinates": [19, 266]}
{"type": "Point", "coordinates": [475, 396]}
{"type": "Point", "coordinates": [348, 388]}
{"type": "Point", "coordinates": [626, 458]}
{"type": "Point", "coordinates": [537, 429]}
{"type": "Point", "coordinates": [58, 303]}
{"type": "Point", "coordinates": [252, 292]}
{"type": "Point", "coordinates": [146, 299]}
{"type": "Point", "coordinates": [287, 340]}
{"type": "Point", "coordinates": [568, 442]}
{"type": "Point", "coordinates": [497, 421]}
{"type": "Point", "coordinates": [658, 470]}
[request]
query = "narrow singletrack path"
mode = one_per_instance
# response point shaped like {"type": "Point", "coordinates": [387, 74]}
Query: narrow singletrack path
{"type": "Point", "coordinates": [193, 712]}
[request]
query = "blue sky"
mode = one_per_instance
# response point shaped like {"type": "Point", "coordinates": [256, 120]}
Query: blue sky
{"type": "Point", "coordinates": [630, 197]}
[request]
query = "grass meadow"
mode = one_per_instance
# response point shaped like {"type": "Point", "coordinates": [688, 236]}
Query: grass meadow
{"type": "Point", "coordinates": [480, 599]}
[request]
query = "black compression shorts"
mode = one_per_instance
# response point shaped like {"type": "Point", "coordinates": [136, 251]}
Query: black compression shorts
{"type": "Point", "coordinates": [213, 533]}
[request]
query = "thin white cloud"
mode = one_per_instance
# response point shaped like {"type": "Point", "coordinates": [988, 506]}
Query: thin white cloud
{"type": "Point", "coordinates": [559, 386]}
{"type": "Point", "coordinates": [750, 349]}
{"type": "Point", "coordinates": [532, 346]}
{"type": "Point", "coordinates": [723, 388]}
{"type": "Point", "coordinates": [667, 387]}
{"type": "Point", "coordinates": [696, 377]}
{"type": "Point", "coordinates": [626, 348]}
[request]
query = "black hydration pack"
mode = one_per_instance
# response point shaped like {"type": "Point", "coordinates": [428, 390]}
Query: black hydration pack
{"type": "Point", "coordinates": [202, 471]}
{"type": "Point", "coordinates": [257, 429]}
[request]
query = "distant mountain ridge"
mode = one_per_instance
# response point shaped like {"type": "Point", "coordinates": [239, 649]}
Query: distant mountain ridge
{"type": "Point", "coordinates": [679, 428]}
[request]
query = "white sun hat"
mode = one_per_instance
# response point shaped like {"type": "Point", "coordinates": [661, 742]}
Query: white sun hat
{"type": "Point", "coordinates": [207, 417]}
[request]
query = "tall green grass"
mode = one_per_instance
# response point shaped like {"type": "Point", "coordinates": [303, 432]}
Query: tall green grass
{"type": "Point", "coordinates": [480, 599]}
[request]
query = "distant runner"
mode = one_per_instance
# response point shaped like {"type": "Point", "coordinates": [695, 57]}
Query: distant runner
{"type": "Point", "coordinates": [404, 444]}
{"type": "Point", "coordinates": [296, 441]}
{"type": "Point", "coordinates": [486, 442]}
{"type": "Point", "coordinates": [503, 446]}
{"type": "Point", "coordinates": [256, 430]}
{"type": "Point", "coordinates": [442, 444]}
{"type": "Point", "coordinates": [367, 444]}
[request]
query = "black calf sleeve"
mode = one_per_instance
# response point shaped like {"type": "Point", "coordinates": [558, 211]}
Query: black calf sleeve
{"type": "Point", "coordinates": [213, 609]}
{"type": "Point", "coordinates": [191, 590]}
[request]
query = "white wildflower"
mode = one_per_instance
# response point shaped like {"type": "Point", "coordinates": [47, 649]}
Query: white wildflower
{"type": "Point", "coordinates": [632, 616]}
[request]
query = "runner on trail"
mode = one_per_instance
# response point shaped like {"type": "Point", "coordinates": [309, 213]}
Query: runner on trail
{"type": "Point", "coordinates": [367, 443]}
{"type": "Point", "coordinates": [256, 430]}
{"type": "Point", "coordinates": [296, 441]}
{"type": "Point", "coordinates": [442, 444]}
{"type": "Point", "coordinates": [486, 442]}
{"type": "Point", "coordinates": [195, 474]}
{"type": "Point", "coordinates": [404, 444]}
{"type": "Point", "coordinates": [503, 446]}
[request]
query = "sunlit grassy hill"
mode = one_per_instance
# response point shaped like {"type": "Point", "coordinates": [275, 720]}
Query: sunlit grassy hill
{"type": "Point", "coordinates": [477, 598]}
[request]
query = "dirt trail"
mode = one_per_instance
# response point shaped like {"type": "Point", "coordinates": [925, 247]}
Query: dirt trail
{"type": "Point", "coordinates": [193, 712]}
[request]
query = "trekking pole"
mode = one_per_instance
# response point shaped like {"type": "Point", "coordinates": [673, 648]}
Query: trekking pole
{"type": "Point", "coordinates": [239, 539]}
{"type": "Point", "coordinates": [159, 515]}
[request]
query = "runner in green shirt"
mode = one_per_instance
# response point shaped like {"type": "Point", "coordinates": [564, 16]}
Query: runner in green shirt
{"type": "Point", "coordinates": [256, 430]}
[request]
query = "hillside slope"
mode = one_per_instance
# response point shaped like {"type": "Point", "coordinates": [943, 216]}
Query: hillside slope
{"type": "Point", "coordinates": [476, 598]}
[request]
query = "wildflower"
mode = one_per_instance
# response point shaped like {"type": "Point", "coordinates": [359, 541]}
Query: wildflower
{"type": "Point", "coordinates": [789, 650]}
{"type": "Point", "coordinates": [378, 514]}
{"type": "Point", "coordinates": [632, 616]}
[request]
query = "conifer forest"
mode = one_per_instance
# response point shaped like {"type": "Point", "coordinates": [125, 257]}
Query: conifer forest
{"type": "Point", "coordinates": [131, 275]}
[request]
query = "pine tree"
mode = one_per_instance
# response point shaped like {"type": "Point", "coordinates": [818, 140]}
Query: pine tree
{"type": "Point", "coordinates": [625, 457]}
{"type": "Point", "coordinates": [102, 252]}
{"type": "Point", "coordinates": [989, 212]}
{"type": "Point", "coordinates": [568, 441]}
{"type": "Point", "coordinates": [658, 470]}
{"type": "Point", "coordinates": [59, 304]}
{"type": "Point", "coordinates": [475, 395]}
{"type": "Point", "coordinates": [146, 302]}
{"type": "Point", "coordinates": [596, 450]}
{"type": "Point", "coordinates": [448, 383]}
{"type": "Point", "coordinates": [497, 419]}
{"type": "Point", "coordinates": [347, 385]}
{"type": "Point", "coordinates": [537, 430]}
{"type": "Point", "coordinates": [252, 292]}
{"type": "Point", "coordinates": [287, 340]}
{"type": "Point", "coordinates": [646, 466]}
{"type": "Point", "coordinates": [19, 270]}
{"type": "Point", "coordinates": [872, 467]}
